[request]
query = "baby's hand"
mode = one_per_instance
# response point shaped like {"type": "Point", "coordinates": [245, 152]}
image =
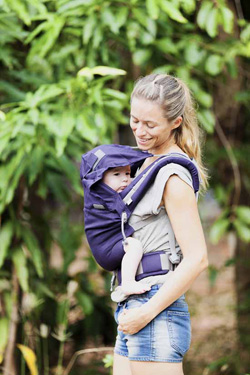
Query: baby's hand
{"type": "Point", "coordinates": [132, 243]}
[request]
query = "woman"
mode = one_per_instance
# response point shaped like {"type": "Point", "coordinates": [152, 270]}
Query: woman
{"type": "Point", "coordinates": [154, 328]}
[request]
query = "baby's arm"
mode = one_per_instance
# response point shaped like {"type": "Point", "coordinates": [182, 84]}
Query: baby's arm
{"type": "Point", "coordinates": [130, 262]}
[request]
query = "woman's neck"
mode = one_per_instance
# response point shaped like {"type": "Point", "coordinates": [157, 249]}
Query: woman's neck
{"type": "Point", "coordinates": [166, 149]}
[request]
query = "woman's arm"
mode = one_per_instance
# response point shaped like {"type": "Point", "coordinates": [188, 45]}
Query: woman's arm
{"type": "Point", "coordinates": [180, 203]}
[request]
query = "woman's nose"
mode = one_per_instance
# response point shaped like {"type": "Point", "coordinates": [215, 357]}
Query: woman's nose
{"type": "Point", "coordinates": [140, 129]}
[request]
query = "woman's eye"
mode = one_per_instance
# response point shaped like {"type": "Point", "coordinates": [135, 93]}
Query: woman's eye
{"type": "Point", "coordinates": [134, 121]}
{"type": "Point", "coordinates": [150, 126]}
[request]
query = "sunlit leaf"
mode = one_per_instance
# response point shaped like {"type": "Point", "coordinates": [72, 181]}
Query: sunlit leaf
{"type": "Point", "coordinates": [30, 358]}
{"type": "Point", "coordinates": [212, 23]}
{"type": "Point", "coordinates": [106, 70]}
{"type": "Point", "coordinates": [88, 29]}
{"type": "Point", "coordinates": [34, 249]}
{"type": "Point", "coordinates": [152, 8]}
{"type": "Point", "coordinates": [203, 13]}
{"type": "Point", "coordinates": [85, 302]}
{"type": "Point", "coordinates": [6, 233]}
{"type": "Point", "coordinates": [172, 11]}
{"type": "Point", "coordinates": [141, 56]}
{"type": "Point", "coordinates": [227, 19]}
{"type": "Point", "coordinates": [4, 329]}
{"type": "Point", "coordinates": [218, 229]}
{"type": "Point", "coordinates": [243, 213]}
{"type": "Point", "coordinates": [214, 64]}
{"type": "Point", "coordinates": [19, 260]}
{"type": "Point", "coordinates": [242, 230]}
{"type": "Point", "coordinates": [207, 120]}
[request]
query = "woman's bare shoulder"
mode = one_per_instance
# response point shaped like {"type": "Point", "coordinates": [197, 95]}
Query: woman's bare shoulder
{"type": "Point", "coordinates": [178, 192]}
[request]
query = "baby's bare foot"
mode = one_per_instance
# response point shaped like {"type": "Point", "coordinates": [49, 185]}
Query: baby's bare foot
{"type": "Point", "coordinates": [133, 287]}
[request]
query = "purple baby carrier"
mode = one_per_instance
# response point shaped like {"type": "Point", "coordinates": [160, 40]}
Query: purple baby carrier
{"type": "Point", "coordinates": [106, 212]}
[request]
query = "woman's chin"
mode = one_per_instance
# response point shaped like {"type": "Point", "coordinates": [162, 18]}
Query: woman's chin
{"type": "Point", "coordinates": [143, 145]}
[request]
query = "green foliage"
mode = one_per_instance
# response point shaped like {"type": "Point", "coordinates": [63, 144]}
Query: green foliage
{"type": "Point", "coordinates": [64, 89]}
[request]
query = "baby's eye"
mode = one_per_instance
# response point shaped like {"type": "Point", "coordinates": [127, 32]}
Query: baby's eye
{"type": "Point", "coordinates": [116, 174]}
{"type": "Point", "coordinates": [127, 173]}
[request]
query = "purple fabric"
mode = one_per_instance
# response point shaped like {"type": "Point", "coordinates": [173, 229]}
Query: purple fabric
{"type": "Point", "coordinates": [151, 265]}
{"type": "Point", "coordinates": [103, 226]}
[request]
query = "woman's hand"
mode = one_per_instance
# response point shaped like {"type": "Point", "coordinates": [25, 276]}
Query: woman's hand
{"type": "Point", "coordinates": [133, 320]}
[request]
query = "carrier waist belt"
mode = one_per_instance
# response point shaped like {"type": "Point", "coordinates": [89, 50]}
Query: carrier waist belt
{"type": "Point", "coordinates": [152, 264]}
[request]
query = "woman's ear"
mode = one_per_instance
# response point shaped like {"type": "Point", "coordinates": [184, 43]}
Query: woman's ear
{"type": "Point", "coordinates": [177, 122]}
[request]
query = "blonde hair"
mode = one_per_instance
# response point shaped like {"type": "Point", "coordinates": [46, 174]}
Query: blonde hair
{"type": "Point", "coordinates": [175, 99]}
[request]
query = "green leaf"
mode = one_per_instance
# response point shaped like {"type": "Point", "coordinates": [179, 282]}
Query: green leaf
{"type": "Point", "coordinates": [166, 45]}
{"type": "Point", "coordinates": [203, 13]}
{"type": "Point", "coordinates": [107, 71]}
{"type": "Point", "coordinates": [242, 230]}
{"type": "Point", "coordinates": [172, 11]}
{"type": "Point", "coordinates": [245, 34]}
{"type": "Point", "coordinates": [108, 18]}
{"type": "Point", "coordinates": [34, 249]}
{"type": "Point", "coordinates": [141, 56]}
{"type": "Point", "coordinates": [62, 312]}
{"type": "Point", "coordinates": [36, 163]}
{"type": "Point", "coordinates": [212, 23]}
{"type": "Point", "coordinates": [46, 42]}
{"type": "Point", "coordinates": [19, 260]}
{"type": "Point", "coordinates": [193, 54]}
{"type": "Point", "coordinates": [4, 329]}
{"type": "Point", "coordinates": [44, 93]}
{"type": "Point", "coordinates": [188, 6]}
{"type": "Point", "coordinates": [19, 7]}
{"type": "Point", "coordinates": [152, 9]}
{"type": "Point", "coordinates": [232, 68]}
{"type": "Point", "coordinates": [214, 64]}
{"type": "Point", "coordinates": [218, 229]}
{"type": "Point", "coordinates": [85, 302]}
{"type": "Point", "coordinates": [204, 98]}
{"type": "Point", "coordinates": [243, 213]}
{"type": "Point", "coordinates": [121, 16]}
{"type": "Point", "coordinates": [212, 274]}
{"type": "Point", "coordinates": [227, 19]}
{"type": "Point", "coordinates": [88, 29]}
{"type": "Point", "coordinates": [207, 120]}
{"type": "Point", "coordinates": [6, 233]}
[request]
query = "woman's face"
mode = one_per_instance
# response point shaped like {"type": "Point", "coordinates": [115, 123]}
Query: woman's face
{"type": "Point", "coordinates": [151, 129]}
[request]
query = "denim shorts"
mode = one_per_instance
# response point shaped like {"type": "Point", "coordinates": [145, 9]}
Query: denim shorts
{"type": "Point", "coordinates": [165, 339]}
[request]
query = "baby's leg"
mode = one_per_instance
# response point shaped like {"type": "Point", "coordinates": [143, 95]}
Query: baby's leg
{"type": "Point", "coordinates": [130, 263]}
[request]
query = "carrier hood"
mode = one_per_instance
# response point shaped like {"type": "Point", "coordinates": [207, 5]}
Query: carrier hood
{"type": "Point", "coordinates": [101, 158]}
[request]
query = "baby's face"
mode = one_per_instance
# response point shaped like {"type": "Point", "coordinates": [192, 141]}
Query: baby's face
{"type": "Point", "coordinates": [117, 178]}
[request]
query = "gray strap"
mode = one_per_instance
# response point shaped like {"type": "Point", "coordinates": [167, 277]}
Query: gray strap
{"type": "Point", "coordinates": [174, 257]}
{"type": "Point", "coordinates": [99, 154]}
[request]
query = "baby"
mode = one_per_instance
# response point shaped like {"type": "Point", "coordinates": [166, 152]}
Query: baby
{"type": "Point", "coordinates": [118, 179]}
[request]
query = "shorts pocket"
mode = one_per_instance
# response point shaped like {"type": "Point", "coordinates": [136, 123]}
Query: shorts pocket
{"type": "Point", "coordinates": [179, 328]}
{"type": "Point", "coordinates": [117, 312]}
